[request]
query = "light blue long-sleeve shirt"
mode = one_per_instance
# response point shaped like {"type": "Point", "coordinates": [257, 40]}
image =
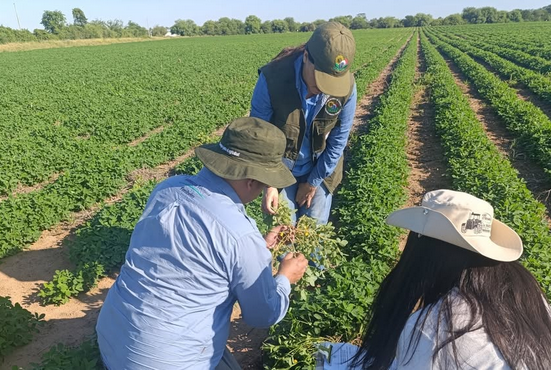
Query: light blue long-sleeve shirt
{"type": "Point", "coordinates": [193, 253]}
{"type": "Point", "coordinates": [261, 107]}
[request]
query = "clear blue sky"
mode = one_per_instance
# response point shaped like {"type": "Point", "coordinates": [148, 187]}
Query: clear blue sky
{"type": "Point", "coordinates": [165, 12]}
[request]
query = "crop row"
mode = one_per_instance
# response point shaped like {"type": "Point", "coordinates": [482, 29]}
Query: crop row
{"type": "Point", "coordinates": [99, 246]}
{"type": "Point", "coordinates": [522, 58]}
{"type": "Point", "coordinates": [199, 104]}
{"type": "Point", "coordinates": [536, 82]}
{"type": "Point", "coordinates": [374, 186]}
{"type": "Point", "coordinates": [529, 124]}
{"type": "Point", "coordinates": [477, 167]}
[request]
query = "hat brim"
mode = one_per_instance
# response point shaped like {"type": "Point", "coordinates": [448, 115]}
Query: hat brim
{"type": "Point", "coordinates": [333, 85]}
{"type": "Point", "coordinates": [234, 168]}
{"type": "Point", "coordinates": [503, 245]}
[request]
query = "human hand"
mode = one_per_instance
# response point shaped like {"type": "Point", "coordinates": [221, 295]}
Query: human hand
{"type": "Point", "coordinates": [305, 193]}
{"type": "Point", "coordinates": [270, 201]}
{"type": "Point", "coordinates": [274, 236]}
{"type": "Point", "coordinates": [293, 266]}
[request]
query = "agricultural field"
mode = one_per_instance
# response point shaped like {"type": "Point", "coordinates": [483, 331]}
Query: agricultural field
{"type": "Point", "coordinates": [87, 132]}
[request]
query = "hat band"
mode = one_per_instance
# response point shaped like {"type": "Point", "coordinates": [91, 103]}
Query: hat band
{"type": "Point", "coordinates": [244, 156]}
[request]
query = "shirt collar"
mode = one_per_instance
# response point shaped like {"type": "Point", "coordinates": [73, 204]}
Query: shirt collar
{"type": "Point", "coordinates": [218, 184]}
{"type": "Point", "coordinates": [299, 82]}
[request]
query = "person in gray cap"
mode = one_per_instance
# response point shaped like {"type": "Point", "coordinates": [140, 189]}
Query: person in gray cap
{"type": "Point", "coordinates": [310, 94]}
{"type": "Point", "coordinates": [194, 253]}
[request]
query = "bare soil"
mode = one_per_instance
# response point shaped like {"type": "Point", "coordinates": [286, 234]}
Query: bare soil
{"type": "Point", "coordinates": [22, 275]}
{"type": "Point", "coordinates": [23, 189]}
{"type": "Point", "coordinates": [531, 172]}
{"type": "Point", "coordinates": [366, 106]}
{"type": "Point", "coordinates": [523, 91]}
{"type": "Point", "coordinates": [424, 151]}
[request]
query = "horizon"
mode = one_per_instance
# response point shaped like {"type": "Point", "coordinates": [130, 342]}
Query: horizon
{"type": "Point", "coordinates": [164, 13]}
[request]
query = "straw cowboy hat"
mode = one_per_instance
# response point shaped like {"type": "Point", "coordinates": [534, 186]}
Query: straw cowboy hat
{"type": "Point", "coordinates": [250, 148]}
{"type": "Point", "coordinates": [462, 220]}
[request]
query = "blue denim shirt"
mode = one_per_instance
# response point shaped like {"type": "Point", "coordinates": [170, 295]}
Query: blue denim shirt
{"type": "Point", "coordinates": [261, 107]}
{"type": "Point", "coordinates": [193, 253]}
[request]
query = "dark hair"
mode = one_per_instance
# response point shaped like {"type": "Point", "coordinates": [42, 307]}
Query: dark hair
{"type": "Point", "coordinates": [291, 50]}
{"type": "Point", "coordinates": [504, 295]}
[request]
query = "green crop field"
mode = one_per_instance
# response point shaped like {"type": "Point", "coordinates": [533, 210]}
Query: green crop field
{"type": "Point", "coordinates": [79, 123]}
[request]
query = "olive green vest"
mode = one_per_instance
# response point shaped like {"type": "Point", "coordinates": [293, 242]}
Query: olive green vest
{"type": "Point", "coordinates": [289, 117]}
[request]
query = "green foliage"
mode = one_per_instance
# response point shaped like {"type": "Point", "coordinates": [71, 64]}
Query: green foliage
{"type": "Point", "coordinates": [61, 357]}
{"type": "Point", "coordinates": [53, 21]}
{"type": "Point", "coordinates": [336, 306]}
{"type": "Point", "coordinates": [530, 125]}
{"type": "Point", "coordinates": [17, 326]}
{"type": "Point", "coordinates": [477, 167]}
{"type": "Point", "coordinates": [79, 19]}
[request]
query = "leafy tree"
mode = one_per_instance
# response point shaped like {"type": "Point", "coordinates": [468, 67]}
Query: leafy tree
{"type": "Point", "coordinates": [79, 19]}
{"type": "Point", "coordinates": [540, 15]}
{"type": "Point", "coordinates": [359, 22]}
{"type": "Point", "coordinates": [453, 20]}
{"type": "Point", "coordinates": [159, 31]}
{"type": "Point", "coordinates": [423, 20]}
{"type": "Point", "coordinates": [409, 21]}
{"type": "Point", "coordinates": [307, 27]}
{"type": "Point", "coordinates": [515, 16]}
{"type": "Point", "coordinates": [292, 26]}
{"type": "Point", "coordinates": [184, 28]}
{"type": "Point", "coordinates": [226, 26]}
{"type": "Point", "coordinates": [488, 15]}
{"type": "Point", "coordinates": [472, 15]}
{"type": "Point", "coordinates": [266, 27]}
{"type": "Point", "coordinates": [345, 20]}
{"type": "Point", "coordinates": [437, 22]}
{"type": "Point", "coordinates": [279, 26]}
{"type": "Point", "coordinates": [502, 16]}
{"type": "Point", "coordinates": [135, 30]}
{"type": "Point", "coordinates": [116, 27]}
{"type": "Point", "coordinates": [238, 26]}
{"type": "Point", "coordinates": [53, 21]}
{"type": "Point", "coordinates": [210, 28]}
{"type": "Point", "coordinates": [252, 24]}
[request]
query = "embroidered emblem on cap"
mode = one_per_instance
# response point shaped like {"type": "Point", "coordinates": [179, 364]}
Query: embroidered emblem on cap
{"type": "Point", "coordinates": [341, 63]}
{"type": "Point", "coordinates": [229, 151]}
{"type": "Point", "coordinates": [477, 224]}
{"type": "Point", "coordinates": [333, 106]}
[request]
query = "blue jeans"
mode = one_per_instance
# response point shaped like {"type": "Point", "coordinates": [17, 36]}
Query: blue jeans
{"type": "Point", "coordinates": [320, 207]}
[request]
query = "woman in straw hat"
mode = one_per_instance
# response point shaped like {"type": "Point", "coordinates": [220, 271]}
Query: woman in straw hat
{"type": "Point", "coordinates": [309, 92]}
{"type": "Point", "coordinates": [475, 306]}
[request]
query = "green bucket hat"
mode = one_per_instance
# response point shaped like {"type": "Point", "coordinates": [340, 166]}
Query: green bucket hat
{"type": "Point", "coordinates": [332, 48]}
{"type": "Point", "coordinates": [250, 148]}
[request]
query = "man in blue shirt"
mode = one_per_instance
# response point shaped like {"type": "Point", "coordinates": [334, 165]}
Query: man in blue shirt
{"type": "Point", "coordinates": [194, 253]}
{"type": "Point", "coordinates": [310, 94]}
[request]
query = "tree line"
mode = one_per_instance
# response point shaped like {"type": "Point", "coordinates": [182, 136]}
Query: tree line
{"type": "Point", "coordinates": [56, 26]}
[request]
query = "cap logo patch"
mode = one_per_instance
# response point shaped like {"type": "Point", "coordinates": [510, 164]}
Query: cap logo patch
{"type": "Point", "coordinates": [229, 151]}
{"type": "Point", "coordinates": [333, 106]}
{"type": "Point", "coordinates": [341, 63]}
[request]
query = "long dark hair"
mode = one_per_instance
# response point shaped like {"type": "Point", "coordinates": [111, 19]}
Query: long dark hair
{"type": "Point", "coordinates": [291, 50]}
{"type": "Point", "coordinates": [505, 296]}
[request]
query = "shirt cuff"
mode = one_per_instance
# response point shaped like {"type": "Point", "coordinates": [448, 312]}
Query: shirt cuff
{"type": "Point", "coordinates": [283, 283]}
{"type": "Point", "coordinates": [314, 179]}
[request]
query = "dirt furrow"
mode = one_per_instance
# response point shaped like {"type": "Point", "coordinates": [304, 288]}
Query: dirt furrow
{"type": "Point", "coordinates": [523, 91]}
{"type": "Point", "coordinates": [365, 108]}
{"type": "Point", "coordinates": [424, 151]}
{"type": "Point", "coordinates": [22, 275]}
{"type": "Point", "coordinates": [529, 170]}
